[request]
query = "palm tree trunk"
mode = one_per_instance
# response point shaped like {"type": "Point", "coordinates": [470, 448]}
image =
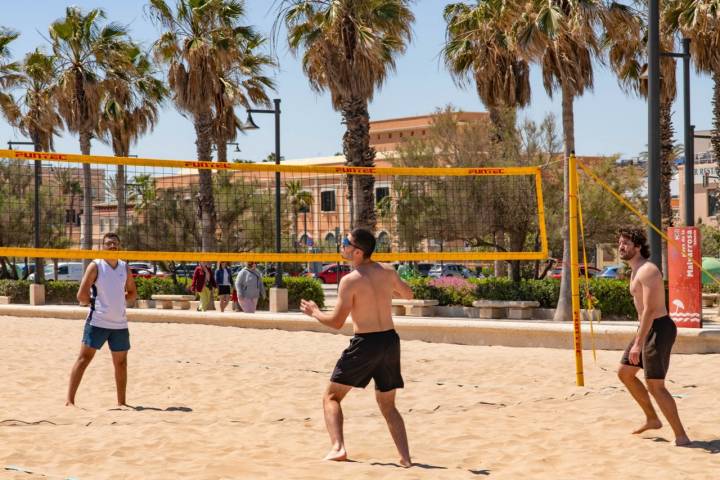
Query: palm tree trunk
{"type": "Point", "coordinates": [715, 134]}
{"type": "Point", "coordinates": [500, 266]}
{"type": "Point", "coordinates": [666, 162]}
{"type": "Point", "coordinates": [87, 240]}
{"type": "Point", "coordinates": [205, 198]}
{"type": "Point", "coordinates": [563, 311]}
{"type": "Point", "coordinates": [359, 153]}
{"type": "Point", "coordinates": [221, 149]}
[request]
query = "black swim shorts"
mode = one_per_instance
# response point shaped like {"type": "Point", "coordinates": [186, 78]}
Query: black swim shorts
{"type": "Point", "coordinates": [373, 355]}
{"type": "Point", "coordinates": [655, 354]}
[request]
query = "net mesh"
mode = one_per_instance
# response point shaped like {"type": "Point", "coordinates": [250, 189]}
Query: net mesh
{"type": "Point", "coordinates": [182, 210]}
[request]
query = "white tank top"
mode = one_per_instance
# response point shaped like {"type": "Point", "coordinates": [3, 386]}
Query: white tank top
{"type": "Point", "coordinates": [107, 307]}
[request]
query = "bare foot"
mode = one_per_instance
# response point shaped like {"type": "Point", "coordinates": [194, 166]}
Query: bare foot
{"type": "Point", "coordinates": [336, 455]}
{"type": "Point", "coordinates": [649, 425]}
{"type": "Point", "coordinates": [683, 441]}
{"type": "Point", "coordinates": [405, 463]}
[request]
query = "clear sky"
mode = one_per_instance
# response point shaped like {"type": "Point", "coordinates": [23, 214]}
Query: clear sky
{"type": "Point", "coordinates": [606, 120]}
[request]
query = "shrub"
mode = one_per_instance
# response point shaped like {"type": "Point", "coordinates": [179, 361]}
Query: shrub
{"type": "Point", "coordinates": [61, 291]}
{"type": "Point", "coordinates": [298, 288]}
{"type": "Point", "coordinates": [17, 290]}
{"type": "Point", "coordinates": [446, 290]}
{"type": "Point", "coordinates": [147, 287]}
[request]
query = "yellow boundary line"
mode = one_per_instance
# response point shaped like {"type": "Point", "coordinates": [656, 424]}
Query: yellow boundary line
{"type": "Point", "coordinates": [76, 254]}
{"type": "Point", "coordinates": [264, 167]}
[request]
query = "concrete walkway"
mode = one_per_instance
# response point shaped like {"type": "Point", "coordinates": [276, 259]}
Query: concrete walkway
{"type": "Point", "coordinates": [510, 333]}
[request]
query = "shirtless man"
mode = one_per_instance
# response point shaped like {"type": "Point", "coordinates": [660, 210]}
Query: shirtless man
{"type": "Point", "coordinates": [651, 346]}
{"type": "Point", "coordinates": [374, 351]}
{"type": "Point", "coordinates": [106, 286]}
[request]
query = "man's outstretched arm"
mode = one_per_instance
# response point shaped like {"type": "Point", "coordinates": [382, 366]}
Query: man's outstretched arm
{"type": "Point", "coordinates": [336, 318]}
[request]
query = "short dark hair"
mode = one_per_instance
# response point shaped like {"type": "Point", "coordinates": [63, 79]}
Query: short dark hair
{"type": "Point", "coordinates": [638, 237]}
{"type": "Point", "coordinates": [111, 235]}
{"type": "Point", "coordinates": [364, 240]}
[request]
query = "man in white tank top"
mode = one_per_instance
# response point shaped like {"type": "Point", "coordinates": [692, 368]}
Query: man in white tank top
{"type": "Point", "coordinates": [106, 287]}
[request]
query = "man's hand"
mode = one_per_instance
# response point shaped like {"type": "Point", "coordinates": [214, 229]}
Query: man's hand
{"type": "Point", "coordinates": [635, 354]}
{"type": "Point", "coordinates": [308, 307]}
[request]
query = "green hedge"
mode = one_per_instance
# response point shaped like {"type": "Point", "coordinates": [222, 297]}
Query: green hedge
{"type": "Point", "coordinates": [612, 296]}
{"type": "Point", "coordinates": [17, 290]}
{"type": "Point", "coordinates": [298, 288]}
{"type": "Point", "coordinates": [147, 287]}
{"type": "Point", "coordinates": [61, 291]}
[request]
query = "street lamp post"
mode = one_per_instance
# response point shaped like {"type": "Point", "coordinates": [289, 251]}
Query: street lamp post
{"type": "Point", "coordinates": [688, 130]}
{"type": "Point", "coordinates": [250, 125]}
{"type": "Point", "coordinates": [36, 237]}
{"type": "Point", "coordinates": [654, 131]}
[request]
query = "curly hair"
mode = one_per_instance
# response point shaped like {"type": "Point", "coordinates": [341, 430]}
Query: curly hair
{"type": "Point", "coordinates": [638, 237]}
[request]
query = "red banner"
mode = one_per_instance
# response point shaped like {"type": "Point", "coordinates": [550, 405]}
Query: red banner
{"type": "Point", "coordinates": [684, 276]}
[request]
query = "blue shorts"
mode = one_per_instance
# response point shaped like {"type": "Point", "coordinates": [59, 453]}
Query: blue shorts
{"type": "Point", "coordinates": [95, 337]}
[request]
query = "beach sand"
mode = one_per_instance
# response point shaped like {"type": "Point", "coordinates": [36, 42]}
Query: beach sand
{"type": "Point", "coordinates": [217, 402]}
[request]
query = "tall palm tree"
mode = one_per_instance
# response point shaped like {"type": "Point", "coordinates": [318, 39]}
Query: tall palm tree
{"type": "Point", "coordinates": [349, 48]}
{"type": "Point", "coordinates": [129, 109]}
{"type": "Point", "coordinates": [85, 51]}
{"type": "Point", "coordinates": [8, 75]}
{"type": "Point", "coordinates": [297, 199]}
{"type": "Point", "coordinates": [243, 83]}
{"type": "Point", "coordinates": [480, 47]}
{"type": "Point", "coordinates": [37, 116]}
{"type": "Point", "coordinates": [562, 37]}
{"type": "Point", "coordinates": [699, 20]}
{"type": "Point", "coordinates": [198, 43]}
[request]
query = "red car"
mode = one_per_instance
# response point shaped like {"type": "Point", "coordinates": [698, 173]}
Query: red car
{"type": "Point", "coordinates": [139, 272]}
{"type": "Point", "coordinates": [332, 273]}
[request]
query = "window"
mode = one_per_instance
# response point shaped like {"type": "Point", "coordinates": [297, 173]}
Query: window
{"type": "Point", "coordinates": [380, 193]}
{"type": "Point", "coordinates": [389, 135]}
{"type": "Point", "coordinates": [327, 201]}
{"type": "Point", "coordinates": [383, 243]}
{"type": "Point", "coordinates": [102, 226]}
{"type": "Point", "coordinates": [713, 203]}
{"type": "Point", "coordinates": [63, 270]}
{"type": "Point", "coordinates": [401, 134]}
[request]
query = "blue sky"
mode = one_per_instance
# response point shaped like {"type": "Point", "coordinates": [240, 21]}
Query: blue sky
{"type": "Point", "coordinates": [606, 120]}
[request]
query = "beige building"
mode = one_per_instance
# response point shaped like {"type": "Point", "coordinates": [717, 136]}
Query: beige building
{"type": "Point", "coordinates": [707, 200]}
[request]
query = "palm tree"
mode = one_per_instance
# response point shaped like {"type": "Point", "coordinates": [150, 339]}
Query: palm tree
{"type": "Point", "coordinates": [129, 109]}
{"type": "Point", "coordinates": [69, 186]}
{"type": "Point", "coordinates": [85, 51]}
{"type": "Point", "coordinates": [349, 48]}
{"type": "Point", "coordinates": [242, 84]}
{"type": "Point", "coordinates": [562, 37]}
{"type": "Point", "coordinates": [8, 75]}
{"type": "Point", "coordinates": [479, 47]}
{"type": "Point", "coordinates": [37, 115]}
{"type": "Point", "coordinates": [198, 44]}
{"type": "Point", "coordinates": [298, 200]}
{"type": "Point", "coordinates": [699, 20]}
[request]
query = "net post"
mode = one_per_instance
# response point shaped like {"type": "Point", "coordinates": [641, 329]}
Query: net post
{"type": "Point", "coordinates": [574, 272]}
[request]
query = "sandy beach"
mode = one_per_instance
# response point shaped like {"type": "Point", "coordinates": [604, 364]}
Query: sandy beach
{"type": "Point", "coordinates": [219, 402]}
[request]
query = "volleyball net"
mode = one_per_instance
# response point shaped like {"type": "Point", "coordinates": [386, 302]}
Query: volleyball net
{"type": "Point", "coordinates": [177, 210]}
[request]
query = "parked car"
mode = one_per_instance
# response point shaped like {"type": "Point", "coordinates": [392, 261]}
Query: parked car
{"type": "Point", "coordinates": [450, 270]}
{"type": "Point", "coordinates": [149, 269]}
{"type": "Point", "coordinates": [424, 268]}
{"type": "Point", "coordinates": [140, 272]}
{"type": "Point", "coordinates": [557, 271]}
{"type": "Point", "coordinates": [72, 271]}
{"type": "Point", "coordinates": [611, 271]}
{"type": "Point", "coordinates": [332, 273]}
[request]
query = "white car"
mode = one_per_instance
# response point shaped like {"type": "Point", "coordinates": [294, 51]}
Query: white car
{"type": "Point", "coordinates": [71, 271]}
{"type": "Point", "coordinates": [450, 270]}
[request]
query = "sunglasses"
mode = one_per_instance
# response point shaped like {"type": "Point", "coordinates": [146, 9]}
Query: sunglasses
{"type": "Point", "coordinates": [112, 243]}
{"type": "Point", "coordinates": [347, 243]}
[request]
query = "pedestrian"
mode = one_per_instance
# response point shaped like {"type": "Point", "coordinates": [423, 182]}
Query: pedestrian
{"type": "Point", "coordinates": [250, 287]}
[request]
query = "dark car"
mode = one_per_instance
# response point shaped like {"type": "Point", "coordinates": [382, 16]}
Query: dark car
{"type": "Point", "coordinates": [332, 273]}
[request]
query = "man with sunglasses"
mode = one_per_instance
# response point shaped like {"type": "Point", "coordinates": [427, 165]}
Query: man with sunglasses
{"type": "Point", "coordinates": [374, 352]}
{"type": "Point", "coordinates": [106, 287]}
